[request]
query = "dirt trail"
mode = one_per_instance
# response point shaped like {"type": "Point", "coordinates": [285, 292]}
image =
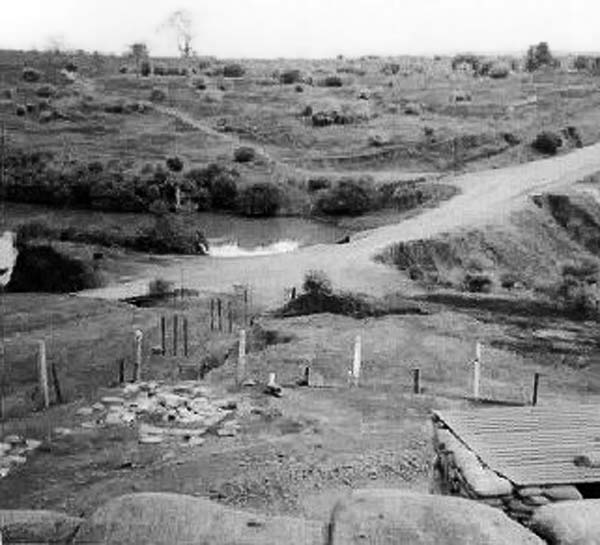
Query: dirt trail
{"type": "Point", "coordinates": [487, 197]}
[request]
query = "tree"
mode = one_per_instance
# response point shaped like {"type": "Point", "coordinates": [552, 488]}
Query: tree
{"type": "Point", "coordinates": [180, 22]}
{"type": "Point", "coordinates": [537, 56]}
{"type": "Point", "coordinates": [139, 52]}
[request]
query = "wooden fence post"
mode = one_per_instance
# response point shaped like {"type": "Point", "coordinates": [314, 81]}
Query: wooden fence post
{"type": "Point", "coordinates": [212, 314]}
{"type": "Point", "coordinates": [163, 335]}
{"type": "Point", "coordinates": [536, 385]}
{"type": "Point", "coordinates": [417, 381]}
{"type": "Point", "coordinates": [185, 336]}
{"type": "Point", "coordinates": [241, 364]}
{"type": "Point", "coordinates": [229, 317]}
{"type": "Point", "coordinates": [121, 364]}
{"type": "Point", "coordinates": [137, 369]}
{"type": "Point", "coordinates": [245, 305]}
{"type": "Point", "coordinates": [55, 382]}
{"type": "Point", "coordinates": [220, 314]}
{"type": "Point", "coordinates": [356, 363]}
{"type": "Point", "coordinates": [43, 373]}
{"type": "Point", "coordinates": [477, 371]}
{"type": "Point", "coordinates": [175, 332]}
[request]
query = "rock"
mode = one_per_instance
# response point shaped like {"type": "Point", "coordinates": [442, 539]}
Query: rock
{"type": "Point", "coordinates": [14, 440]}
{"type": "Point", "coordinates": [249, 383]}
{"type": "Point", "coordinates": [32, 444]}
{"type": "Point", "coordinates": [392, 517]}
{"type": "Point", "coordinates": [63, 431]}
{"type": "Point", "coordinates": [156, 350]}
{"type": "Point", "coordinates": [119, 416]}
{"type": "Point", "coordinates": [194, 442]}
{"type": "Point", "coordinates": [150, 439]}
{"type": "Point", "coordinates": [4, 448]}
{"type": "Point", "coordinates": [562, 493]}
{"type": "Point", "coordinates": [315, 379]}
{"type": "Point", "coordinates": [226, 404]}
{"type": "Point", "coordinates": [171, 400]}
{"type": "Point", "coordinates": [486, 483]}
{"type": "Point", "coordinates": [131, 389]}
{"type": "Point", "coordinates": [4, 471]}
{"type": "Point", "coordinates": [15, 459]}
{"type": "Point", "coordinates": [85, 411]}
{"type": "Point", "coordinates": [29, 526]}
{"type": "Point", "coordinates": [569, 522]}
{"type": "Point", "coordinates": [166, 519]}
{"type": "Point", "coordinates": [112, 400]}
{"type": "Point", "coordinates": [89, 425]}
{"type": "Point", "coordinates": [98, 406]}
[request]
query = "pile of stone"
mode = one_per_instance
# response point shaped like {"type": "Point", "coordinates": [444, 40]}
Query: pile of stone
{"type": "Point", "coordinates": [184, 410]}
{"type": "Point", "coordinates": [14, 450]}
{"type": "Point", "coordinates": [459, 472]}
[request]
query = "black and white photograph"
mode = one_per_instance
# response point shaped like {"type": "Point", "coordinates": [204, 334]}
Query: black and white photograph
{"type": "Point", "coordinates": [282, 272]}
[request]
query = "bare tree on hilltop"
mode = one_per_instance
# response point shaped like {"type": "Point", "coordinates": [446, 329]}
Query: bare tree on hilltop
{"type": "Point", "coordinates": [181, 23]}
{"type": "Point", "coordinates": [139, 52]}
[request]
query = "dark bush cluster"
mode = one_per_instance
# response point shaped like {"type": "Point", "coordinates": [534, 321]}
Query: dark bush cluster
{"type": "Point", "coordinates": [42, 268]}
{"type": "Point", "coordinates": [325, 119]}
{"type": "Point", "coordinates": [261, 199]}
{"type": "Point", "coordinates": [244, 154]}
{"type": "Point", "coordinates": [547, 142]}
{"type": "Point", "coordinates": [31, 75]}
{"type": "Point", "coordinates": [233, 71]}
{"type": "Point", "coordinates": [349, 197]}
{"type": "Point", "coordinates": [145, 69]}
{"type": "Point", "coordinates": [331, 81]}
{"type": "Point", "coordinates": [288, 77]}
{"type": "Point", "coordinates": [213, 187]}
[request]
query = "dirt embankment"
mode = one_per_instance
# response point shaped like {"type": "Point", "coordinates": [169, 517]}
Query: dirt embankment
{"type": "Point", "coordinates": [526, 251]}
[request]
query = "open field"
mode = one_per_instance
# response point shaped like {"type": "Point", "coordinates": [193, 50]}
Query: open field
{"type": "Point", "coordinates": [499, 211]}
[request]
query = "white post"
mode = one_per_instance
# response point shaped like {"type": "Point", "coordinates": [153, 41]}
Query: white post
{"type": "Point", "coordinates": [477, 370]}
{"type": "Point", "coordinates": [357, 360]}
{"type": "Point", "coordinates": [271, 379]}
{"type": "Point", "coordinates": [137, 371]}
{"type": "Point", "coordinates": [43, 372]}
{"type": "Point", "coordinates": [241, 366]}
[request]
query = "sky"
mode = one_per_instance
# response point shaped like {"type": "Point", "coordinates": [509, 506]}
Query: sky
{"type": "Point", "coordinates": [305, 28]}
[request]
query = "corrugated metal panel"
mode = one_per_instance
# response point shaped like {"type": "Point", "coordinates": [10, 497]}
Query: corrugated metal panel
{"type": "Point", "coordinates": [531, 445]}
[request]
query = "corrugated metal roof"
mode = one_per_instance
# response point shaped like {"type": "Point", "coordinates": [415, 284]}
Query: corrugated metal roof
{"type": "Point", "coordinates": [531, 445]}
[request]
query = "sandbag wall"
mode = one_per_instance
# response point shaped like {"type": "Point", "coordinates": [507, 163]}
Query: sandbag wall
{"type": "Point", "coordinates": [459, 472]}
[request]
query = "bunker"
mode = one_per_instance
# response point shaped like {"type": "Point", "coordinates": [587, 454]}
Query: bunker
{"type": "Point", "coordinates": [518, 458]}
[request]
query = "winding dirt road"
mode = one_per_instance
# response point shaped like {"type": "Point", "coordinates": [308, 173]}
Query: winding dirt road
{"type": "Point", "coordinates": [487, 197]}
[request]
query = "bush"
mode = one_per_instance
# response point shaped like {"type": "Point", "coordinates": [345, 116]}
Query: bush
{"type": "Point", "coordinates": [145, 68]}
{"type": "Point", "coordinates": [332, 81]}
{"type": "Point", "coordinates": [244, 154]}
{"type": "Point", "coordinates": [20, 110]}
{"type": "Point", "coordinates": [316, 184]}
{"type": "Point", "coordinates": [158, 95]}
{"type": "Point", "coordinates": [31, 75]}
{"type": "Point", "coordinates": [159, 70]}
{"type": "Point", "coordinates": [349, 197]}
{"type": "Point", "coordinates": [42, 268]}
{"type": "Point", "coordinates": [317, 282]}
{"type": "Point", "coordinates": [169, 236]}
{"type": "Point", "coordinates": [477, 283]}
{"type": "Point", "coordinates": [174, 164]}
{"type": "Point", "coordinates": [233, 71]}
{"type": "Point", "coordinates": [547, 142]}
{"type": "Point", "coordinates": [200, 84]}
{"type": "Point", "coordinates": [160, 286]}
{"type": "Point", "coordinates": [124, 70]}
{"type": "Point", "coordinates": [299, 89]}
{"type": "Point", "coordinates": [262, 199]}
{"type": "Point", "coordinates": [46, 91]}
{"type": "Point", "coordinates": [289, 77]}
{"type": "Point", "coordinates": [499, 71]}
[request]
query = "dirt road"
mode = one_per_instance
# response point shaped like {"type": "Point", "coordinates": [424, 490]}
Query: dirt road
{"type": "Point", "coordinates": [487, 197]}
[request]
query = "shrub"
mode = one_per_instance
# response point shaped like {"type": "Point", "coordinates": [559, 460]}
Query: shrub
{"type": "Point", "coordinates": [160, 286]}
{"type": "Point", "coordinates": [413, 108]}
{"type": "Point", "coordinates": [317, 282]}
{"type": "Point", "coordinates": [307, 111]}
{"type": "Point", "coordinates": [299, 89]}
{"type": "Point", "coordinates": [20, 110]}
{"type": "Point", "coordinates": [262, 199]}
{"type": "Point", "coordinates": [289, 77]}
{"type": "Point", "coordinates": [332, 81]}
{"type": "Point", "coordinates": [169, 236]}
{"type": "Point", "coordinates": [390, 69]}
{"type": "Point", "coordinates": [159, 70]}
{"type": "Point", "coordinates": [316, 184]}
{"type": "Point", "coordinates": [145, 68]}
{"type": "Point", "coordinates": [244, 154]}
{"type": "Point", "coordinates": [31, 75]}
{"type": "Point", "coordinates": [200, 84]}
{"type": "Point", "coordinates": [221, 184]}
{"type": "Point", "coordinates": [537, 56]}
{"type": "Point", "coordinates": [477, 283]}
{"type": "Point", "coordinates": [71, 67]}
{"type": "Point", "coordinates": [42, 268]}
{"type": "Point", "coordinates": [46, 91]}
{"type": "Point", "coordinates": [158, 95]}
{"type": "Point", "coordinates": [509, 280]}
{"type": "Point", "coordinates": [174, 164]}
{"type": "Point", "coordinates": [233, 71]}
{"type": "Point", "coordinates": [349, 197]}
{"type": "Point", "coordinates": [124, 70]}
{"type": "Point", "coordinates": [547, 142]}
{"type": "Point", "coordinates": [499, 71]}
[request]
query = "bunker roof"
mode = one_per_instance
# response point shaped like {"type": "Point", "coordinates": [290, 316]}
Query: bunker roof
{"type": "Point", "coordinates": [531, 445]}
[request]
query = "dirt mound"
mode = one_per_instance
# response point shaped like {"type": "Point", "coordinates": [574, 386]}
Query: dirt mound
{"type": "Point", "coordinates": [174, 518]}
{"type": "Point", "coordinates": [28, 526]}
{"type": "Point", "coordinates": [388, 517]}
{"type": "Point", "coordinates": [569, 523]}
